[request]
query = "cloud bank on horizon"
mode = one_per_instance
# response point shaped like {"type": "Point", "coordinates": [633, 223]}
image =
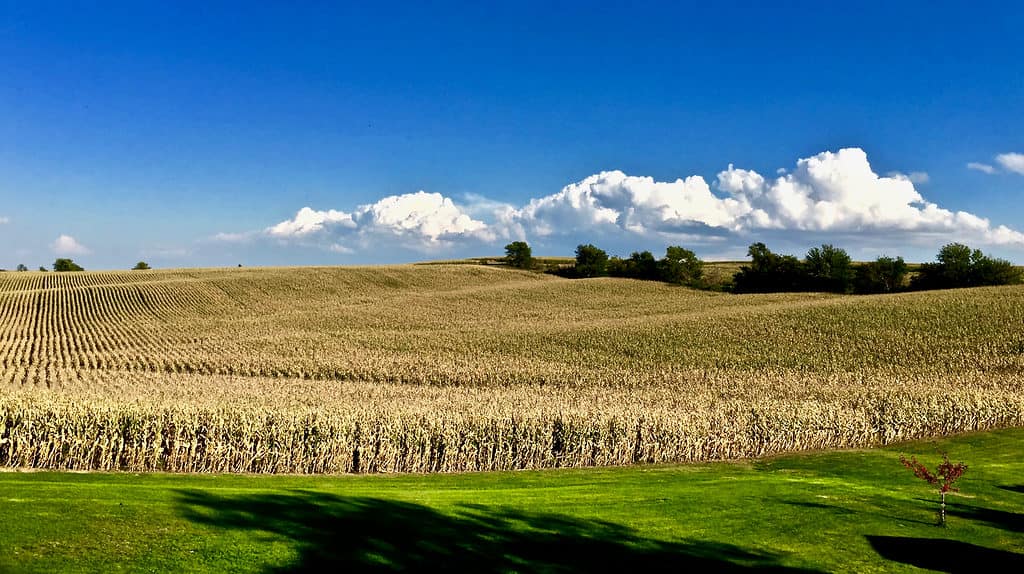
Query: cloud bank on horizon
{"type": "Point", "coordinates": [831, 193]}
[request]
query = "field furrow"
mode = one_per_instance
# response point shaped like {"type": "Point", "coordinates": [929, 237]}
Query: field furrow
{"type": "Point", "coordinates": [457, 367]}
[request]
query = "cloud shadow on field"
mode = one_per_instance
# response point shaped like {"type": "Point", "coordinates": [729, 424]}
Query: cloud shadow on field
{"type": "Point", "coordinates": [372, 535]}
{"type": "Point", "coordinates": [944, 555]}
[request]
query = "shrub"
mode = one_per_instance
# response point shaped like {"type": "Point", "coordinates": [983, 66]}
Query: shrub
{"type": "Point", "coordinates": [141, 266]}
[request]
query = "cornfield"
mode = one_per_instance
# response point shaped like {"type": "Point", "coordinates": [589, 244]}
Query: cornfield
{"type": "Point", "coordinates": [462, 368]}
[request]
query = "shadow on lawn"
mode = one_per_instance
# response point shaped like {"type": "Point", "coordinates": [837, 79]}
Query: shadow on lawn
{"type": "Point", "coordinates": [945, 555]}
{"type": "Point", "coordinates": [1002, 519]}
{"type": "Point", "coordinates": [368, 534]}
{"type": "Point", "coordinates": [1010, 521]}
{"type": "Point", "coordinates": [952, 555]}
{"type": "Point", "coordinates": [835, 509]}
{"type": "Point", "coordinates": [1014, 488]}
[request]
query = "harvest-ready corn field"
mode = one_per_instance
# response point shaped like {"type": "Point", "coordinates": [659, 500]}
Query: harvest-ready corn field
{"type": "Point", "coordinates": [462, 367]}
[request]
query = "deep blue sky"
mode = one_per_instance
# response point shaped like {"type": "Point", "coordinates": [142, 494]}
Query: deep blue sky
{"type": "Point", "coordinates": [143, 130]}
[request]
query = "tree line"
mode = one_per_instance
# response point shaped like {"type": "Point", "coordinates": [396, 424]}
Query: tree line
{"type": "Point", "coordinates": [61, 265]}
{"type": "Point", "coordinates": [826, 268]}
{"type": "Point", "coordinates": [829, 268]}
{"type": "Point", "coordinates": [679, 265]}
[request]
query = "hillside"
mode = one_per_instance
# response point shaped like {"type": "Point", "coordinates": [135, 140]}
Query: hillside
{"type": "Point", "coordinates": [462, 367]}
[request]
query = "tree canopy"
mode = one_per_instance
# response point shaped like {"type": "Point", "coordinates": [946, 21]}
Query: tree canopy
{"type": "Point", "coordinates": [883, 275]}
{"type": "Point", "coordinates": [640, 265]}
{"type": "Point", "coordinates": [591, 261]}
{"type": "Point", "coordinates": [825, 268]}
{"type": "Point", "coordinates": [957, 265]}
{"type": "Point", "coordinates": [518, 254]}
{"type": "Point", "coordinates": [829, 268]}
{"type": "Point", "coordinates": [681, 266]}
{"type": "Point", "coordinates": [66, 265]}
{"type": "Point", "coordinates": [769, 272]}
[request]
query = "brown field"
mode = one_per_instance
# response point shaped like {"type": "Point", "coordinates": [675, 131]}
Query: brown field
{"type": "Point", "coordinates": [470, 367]}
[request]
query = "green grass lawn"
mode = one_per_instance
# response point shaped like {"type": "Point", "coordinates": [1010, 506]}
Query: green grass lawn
{"type": "Point", "coordinates": [844, 511]}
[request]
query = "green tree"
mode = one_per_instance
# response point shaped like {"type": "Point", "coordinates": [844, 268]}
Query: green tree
{"type": "Point", "coordinates": [591, 261]}
{"type": "Point", "coordinates": [639, 265]}
{"type": "Point", "coordinates": [43, 269]}
{"type": "Point", "coordinates": [987, 270]}
{"type": "Point", "coordinates": [617, 267]}
{"type": "Point", "coordinates": [957, 265]}
{"type": "Point", "coordinates": [66, 265]}
{"type": "Point", "coordinates": [954, 265]}
{"type": "Point", "coordinates": [680, 266]}
{"type": "Point", "coordinates": [22, 267]}
{"type": "Point", "coordinates": [518, 254]}
{"type": "Point", "coordinates": [769, 272]}
{"type": "Point", "coordinates": [141, 266]}
{"type": "Point", "coordinates": [642, 265]}
{"type": "Point", "coordinates": [829, 268]}
{"type": "Point", "coordinates": [883, 275]}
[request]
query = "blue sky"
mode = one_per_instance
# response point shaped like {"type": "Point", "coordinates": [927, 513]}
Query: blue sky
{"type": "Point", "coordinates": [196, 134]}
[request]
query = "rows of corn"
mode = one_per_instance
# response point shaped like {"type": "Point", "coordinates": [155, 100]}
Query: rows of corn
{"type": "Point", "coordinates": [460, 368]}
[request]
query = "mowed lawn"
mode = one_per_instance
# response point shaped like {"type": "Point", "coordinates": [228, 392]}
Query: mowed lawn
{"type": "Point", "coordinates": [840, 511]}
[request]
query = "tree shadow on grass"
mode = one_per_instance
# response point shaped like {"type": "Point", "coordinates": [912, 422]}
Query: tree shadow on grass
{"type": "Point", "coordinates": [1019, 488]}
{"type": "Point", "coordinates": [835, 509]}
{"type": "Point", "coordinates": [1002, 519]}
{"type": "Point", "coordinates": [372, 535]}
{"type": "Point", "coordinates": [945, 555]}
{"type": "Point", "coordinates": [1011, 521]}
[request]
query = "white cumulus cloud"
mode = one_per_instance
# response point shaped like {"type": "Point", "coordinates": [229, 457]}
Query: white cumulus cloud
{"type": "Point", "coordinates": [1011, 162]}
{"type": "Point", "coordinates": [837, 193]}
{"type": "Point", "coordinates": [308, 221]}
{"type": "Point", "coordinates": [418, 220]}
{"type": "Point", "coordinates": [4, 220]}
{"type": "Point", "coordinates": [828, 192]}
{"type": "Point", "coordinates": [67, 245]}
{"type": "Point", "coordinates": [612, 199]}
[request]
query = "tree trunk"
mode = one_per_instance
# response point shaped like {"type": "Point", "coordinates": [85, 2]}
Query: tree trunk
{"type": "Point", "coordinates": [942, 510]}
